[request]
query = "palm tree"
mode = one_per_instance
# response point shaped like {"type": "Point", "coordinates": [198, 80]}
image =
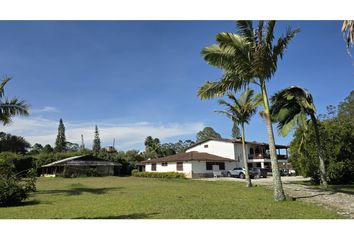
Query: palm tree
{"type": "Point", "coordinates": [248, 56]}
{"type": "Point", "coordinates": [290, 109]}
{"type": "Point", "coordinates": [240, 112]}
{"type": "Point", "coordinates": [10, 108]}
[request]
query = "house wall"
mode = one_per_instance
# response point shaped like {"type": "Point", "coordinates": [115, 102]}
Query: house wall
{"type": "Point", "coordinates": [171, 167]}
{"type": "Point", "coordinates": [218, 148]}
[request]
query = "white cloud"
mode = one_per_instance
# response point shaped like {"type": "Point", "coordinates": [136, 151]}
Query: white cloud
{"type": "Point", "coordinates": [127, 135]}
{"type": "Point", "coordinates": [45, 109]}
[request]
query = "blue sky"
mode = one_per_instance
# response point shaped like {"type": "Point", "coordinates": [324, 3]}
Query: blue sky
{"type": "Point", "coordinates": [140, 78]}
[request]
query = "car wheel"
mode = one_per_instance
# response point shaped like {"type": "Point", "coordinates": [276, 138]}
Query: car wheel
{"type": "Point", "coordinates": [242, 175]}
{"type": "Point", "coordinates": [229, 174]}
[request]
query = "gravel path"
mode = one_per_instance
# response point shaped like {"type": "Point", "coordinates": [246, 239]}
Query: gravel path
{"type": "Point", "coordinates": [343, 203]}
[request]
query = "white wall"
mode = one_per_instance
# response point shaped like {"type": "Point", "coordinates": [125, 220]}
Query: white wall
{"type": "Point", "coordinates": [171, 167]}
{"type": "Point", "coordinates": [218, 148]}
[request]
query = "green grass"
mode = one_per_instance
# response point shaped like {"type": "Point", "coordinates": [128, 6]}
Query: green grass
{"type": "Point", "coordinates": [133, 198]}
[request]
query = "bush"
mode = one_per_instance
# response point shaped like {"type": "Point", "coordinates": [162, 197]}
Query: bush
{"type": "Point", "coordinates": [14, 188]}
{"type": "Point", "coordinates": [136, 173]}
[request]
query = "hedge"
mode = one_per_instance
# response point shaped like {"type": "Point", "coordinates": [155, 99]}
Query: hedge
{"type": "Point", "coordinates": [136, 173]}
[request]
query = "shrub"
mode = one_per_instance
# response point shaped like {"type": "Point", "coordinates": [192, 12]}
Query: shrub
{"type": "Point", "coordinates": [14, 188]}
{"type": "Point", "coordinates": [136, 173]}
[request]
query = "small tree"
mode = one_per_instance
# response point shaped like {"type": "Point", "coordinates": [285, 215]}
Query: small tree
{"type": "Point", "coordinates": [13, 187]}
{"type": "Point", "coordinates": [240, 111]}
{"type": "Point", "coordinates": [60, 143]}
{"type": "Point", "coordinates": [207, 133]}
{"type": "Point", "coordinates": [96, 142]}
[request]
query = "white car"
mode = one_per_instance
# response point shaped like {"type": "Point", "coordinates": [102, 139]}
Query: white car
{"type": "Point", "coordinates": [239, 172]}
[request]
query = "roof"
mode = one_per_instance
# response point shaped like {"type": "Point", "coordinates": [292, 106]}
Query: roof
{"type": "Point", "coordinates": [235, 140]}
{"type": "Point", "coordinates": [190, 156]}
{"type": "Point", "coordinates": [81, 160]}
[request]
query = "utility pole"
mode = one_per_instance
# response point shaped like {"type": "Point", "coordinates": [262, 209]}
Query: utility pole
{"type": "Point", "coordinates": [82, 142]}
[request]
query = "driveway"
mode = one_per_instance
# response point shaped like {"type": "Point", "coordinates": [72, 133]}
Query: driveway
{"type": "Point", "coordinates": [343, 203]}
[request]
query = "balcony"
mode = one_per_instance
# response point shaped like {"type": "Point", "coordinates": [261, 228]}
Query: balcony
{"type": "Point", "coordinates": [267, 156]}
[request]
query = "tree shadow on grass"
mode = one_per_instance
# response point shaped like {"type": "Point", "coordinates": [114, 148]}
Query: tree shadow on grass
{"type": "Point", "coordinates": [127, 216]}
{"type": "Point", "coordinates": [79, 191]}
{"type": "Point", "coordinates": [24, 203]}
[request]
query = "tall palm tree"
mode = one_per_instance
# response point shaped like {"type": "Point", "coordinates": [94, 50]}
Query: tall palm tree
{"type": "Point", "coordinates": [290, 109]}
{"type": "Point", "coordinates": [248, 56]}
{"type": "Point", "coordinates": [12, 107]}
{"type": "Point", "coordinates": [240, 112]}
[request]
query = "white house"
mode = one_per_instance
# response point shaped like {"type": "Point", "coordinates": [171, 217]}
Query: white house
{"type": "Point", "coordinates": [193, 164]}
{"type": "Point", "coordinates": [257, 153]}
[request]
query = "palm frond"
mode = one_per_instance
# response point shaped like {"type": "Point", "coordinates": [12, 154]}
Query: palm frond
{"type": "Point", "coordinates": [2, 85]}
{"type": "Point", "coordinates": [245, 28]}
{"type": "Point", "coordinates": [13, 107]}
{"type": "Point", "coordinates": [270, 32]}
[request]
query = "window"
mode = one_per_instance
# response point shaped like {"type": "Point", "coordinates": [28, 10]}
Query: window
{"type": "Point", "coordinates": [153, 167]}
{"type": "Point", "coordinates": [257, 151]}
{"type": "Point", "coordinates": [209, 165]}
{"type": "Point", "coordinates": [164, 164]}
{"type": "Point", "coordinates": [251, 151]}
{"type": "Point", "coordinates": [206, 146]}
{"type": "Point", "coordinates": [179, 166]}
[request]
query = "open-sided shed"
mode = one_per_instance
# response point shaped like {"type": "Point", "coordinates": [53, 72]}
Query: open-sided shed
{"type": "Point", "coordinates": [86, 165]}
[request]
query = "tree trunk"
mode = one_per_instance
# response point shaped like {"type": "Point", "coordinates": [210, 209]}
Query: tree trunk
{"type": "Point", "coordinates": [245, 162]}
{"type": "Point", "coordinates": [323, 175]}
{"type": "Point", "coordinates": [277, 184]}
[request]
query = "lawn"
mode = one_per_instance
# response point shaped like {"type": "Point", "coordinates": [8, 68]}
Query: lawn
{"type": "Point", "coordinates": [137, 198]}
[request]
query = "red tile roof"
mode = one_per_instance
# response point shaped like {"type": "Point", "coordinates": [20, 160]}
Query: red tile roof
{"type": "Point", "coordinates": [190, 156]}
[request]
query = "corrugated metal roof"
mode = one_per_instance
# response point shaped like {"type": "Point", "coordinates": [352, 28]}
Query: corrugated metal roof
{"type": "Point", "coordinates": [76, 161]}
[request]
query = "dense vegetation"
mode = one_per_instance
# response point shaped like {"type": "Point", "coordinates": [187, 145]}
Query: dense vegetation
{"type": "Point", "coordinates": [337, 138]}
{"type": "Point", "coordinates": [136, 173]}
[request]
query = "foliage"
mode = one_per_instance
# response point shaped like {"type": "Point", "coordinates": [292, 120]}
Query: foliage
{"type": "Point", "coordinates": [290, 109]}
{"type": "Point", "coordinates": [207, 133]}
{"type": "Point", "coordinates": [348, 30]}
{"type": "Point", "coordinates": [248, 56]}
{"type": "Point", "coordinates": [12, 107]}
{"type": "Point", "coordinates": [13, 187]}
{"type": "Point", "coordinates": [47, 148]}
{"type": "Point", "coordinates": [11, 143]}
{"type": "Point", "coordinates": [96, 147]}
{"type": "Point", "coordinates": [60, 143]}
{"type": "Point", "coordinates": [136, 173]}
{"type": "Point", "coordinates": [337, 139]}
{"type": "Point", "coordinates": [178, 147]}
{"type": "Point", "coordinates": [240, 111]}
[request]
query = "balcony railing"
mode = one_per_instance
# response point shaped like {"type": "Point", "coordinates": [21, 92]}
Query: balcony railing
{"type": "Point", "coordinates": [267, 156]}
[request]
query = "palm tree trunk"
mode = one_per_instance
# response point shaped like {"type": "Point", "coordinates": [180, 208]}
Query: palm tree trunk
{"type": "Point", "coordinates": [245, 162]}
{"type": "Point", "coordinates": [323, 174]}
{"type": "Point", "coordinates": [277, 184]}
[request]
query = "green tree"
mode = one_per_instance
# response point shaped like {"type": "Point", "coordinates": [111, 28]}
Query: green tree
{"type": "Point", "coordinates": [47, 148]}
{"type": "Point", "coordinates": [290, 109]}
{"type": "Point", "coordinates": [248, 56]}
{"type": "Point", "coordinates": [152, 147]}
{"type": "Point", "coordinates": [60, 142]}
{"type": "Point", "coordinates": [96, 142]}
{"type": "Point", "coordinates": [11, 143]}
{"type": "Point", "coordinates": [240, 111]}
{"type": "Point", "coordinates": [207, 133]}
{"type": "Point", "coordinates": [346, 108]}
{"type": "Point", "coordinates": [12, 107]}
